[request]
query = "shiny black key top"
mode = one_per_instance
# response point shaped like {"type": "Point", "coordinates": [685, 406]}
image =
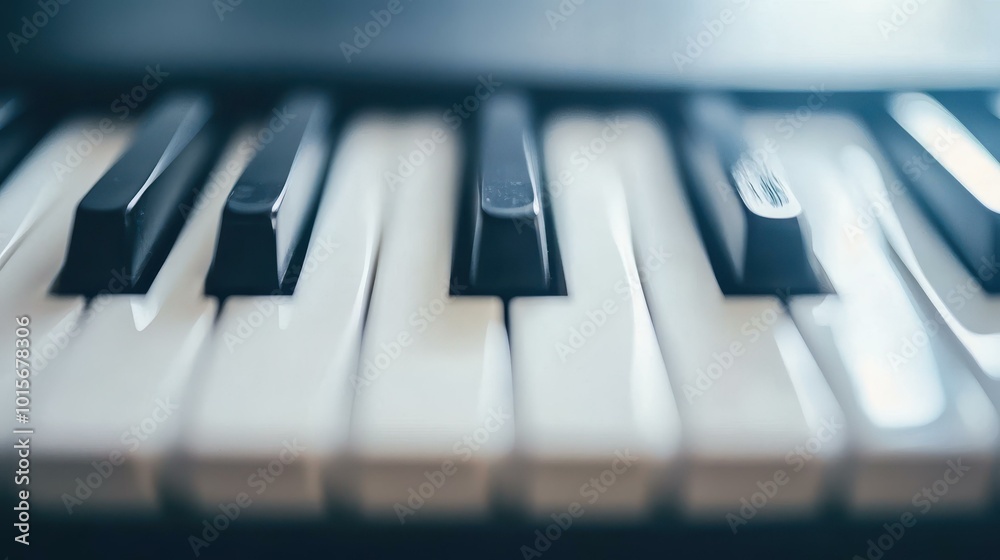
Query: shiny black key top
{"type": "Point", "coordinates": [951, 173]}
{"type": "Point", "coordinates": [754, 228]}
{"type": "Point", "coordinates": [268, 216]}
{"type": "Point", "coordinates": [505, 248]}
{"type": "Point", "coordinates": [125, 226]}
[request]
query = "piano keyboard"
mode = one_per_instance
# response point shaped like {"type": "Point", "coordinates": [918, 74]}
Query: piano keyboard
{"type": "Point", "coordinates": [610, 312]}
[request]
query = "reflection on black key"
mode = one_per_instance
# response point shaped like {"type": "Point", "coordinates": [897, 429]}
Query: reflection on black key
{"type": "Point", "coordinates": [754, 228]}
{"type": "Point", "coordinates": [952, 174]}
{"type": "Point", "coordinates": [125, 226]}
{"type": "Point", "coordinates": [268, 217]}
{"type": "Point", "coordinates": [19, 132]}
{"type": "Point", "coordinates": [504, 246]}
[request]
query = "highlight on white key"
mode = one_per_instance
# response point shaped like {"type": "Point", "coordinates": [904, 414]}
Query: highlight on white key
{"type": "Point", "coordinates": [516, 279]}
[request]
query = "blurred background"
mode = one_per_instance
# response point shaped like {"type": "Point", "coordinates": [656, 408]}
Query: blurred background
{"type": "Point", "coordinates": [709, 82]}
{"type": "Point", "coordinates": [742, 44]}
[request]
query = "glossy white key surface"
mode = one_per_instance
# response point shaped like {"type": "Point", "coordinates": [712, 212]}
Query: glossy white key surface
{"type": "Point", "coordinates": [32, 269]}
{"type": "Point", "coordinates": [972, 314]}
{"type": "Point", "coordinates": [110, 404]}
{"type": "Point", "coordinates": [275, 390]}
{"type": "Point", "coordinates": [592, 396]}
{"type": "Point", "coordinates": [34, 266]}
{"type": "Point", "coordinates": [915, 411]}
{"type": "Point", "coordinates": [432, 408]}
{"type": "Point", "coordinates": [952, 295]}
{"type": "Point", "coordinates": [755, 409]}
{"type": "Point", "coordinates": [57, 171]}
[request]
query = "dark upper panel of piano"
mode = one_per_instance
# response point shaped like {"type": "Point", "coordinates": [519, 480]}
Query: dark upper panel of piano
{"type": "Point", "coordinates": [742, 44]}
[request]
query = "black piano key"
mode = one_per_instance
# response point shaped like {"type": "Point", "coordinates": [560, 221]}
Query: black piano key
{"type": "Point", "coordinates": [20, 130]}
{"type": "Point", "coordinates": [951, 173]}
{"type": "Point", "coordinates": [125, 226]}
{"type": "Point", "coordinates": [505, 245]}
{"type": "Point", "coordinates": [268, 216]}
{"type": "Point", "coordinates": [755, 232]}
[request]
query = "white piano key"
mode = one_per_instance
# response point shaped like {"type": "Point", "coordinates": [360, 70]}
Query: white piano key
{"type": "Point", "coordinates": [952, 295]}
{"type": "Point", "coordinates": [279, 370]}
{"type": "Point", "coordinates": [760, 422]}
{"type": "Point", "coordinates": [914, 409]}
{"type": "Point", "coordinates": [972, 314]}
{"type": "Point", "coordinates": [32, 269]}
{"type": "Point", "coordinates": [432, 409]}
{"type": "Point", "coordinates": [56, 171]}
{"type": "Point", "coordinates": [109, 404]}
{"type": "Point", "coordinates": [592, 396]}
